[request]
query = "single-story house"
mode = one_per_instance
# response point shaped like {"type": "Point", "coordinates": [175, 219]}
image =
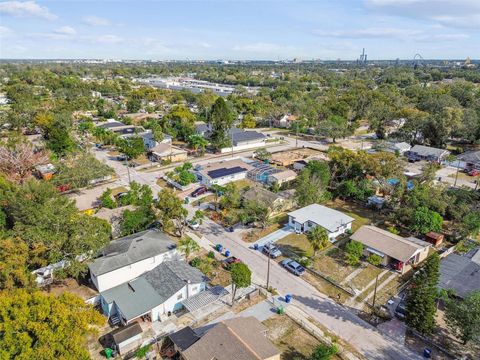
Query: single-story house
{"type": "Point", "coordinates": [223, 172]}
{"type": "Point", "coordinates": [127, 258]}
{"type": "Point", "coordinates": [167, 152]}
{"type": "Point", "coordinates": [471, 160]}
{"type": "Point", "coordinates": [300, 165]}
{"type": "Point", "coordinates": [282, 177]}
{"type": "Point", "coordinates": [460, 273]}
{"type": "Point", "coordinates": [110, 124]}
{"type": "Point", "coordinates": [127, 338]}
{"type": "Point", "coordinates": [335, 222]}
{"type": "Point", "coordinates": [400, 147]}
{"type": "Point", "coordinates": [202, 128]}
{"type": "Point", "coordinates": [154, 295]}
{"type": "Point", "coordinates": [421, 152]}
{"type": "Point", "coordinates": [376, 201]}
{"type": "Point", "coordinates": [242, 139]}
{"type": "Point", "coordinates": [401, 253]}
{"type": "Point", "coordinates": [285, 121]}
{"type": "Point", "coordinates": [241, 338]}
{"type": "Point", "coordinates": [274, 201]}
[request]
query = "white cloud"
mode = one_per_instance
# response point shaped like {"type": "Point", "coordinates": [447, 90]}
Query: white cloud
{"type": "Point", "coordinates": [392, 33]}
{"type": "Point", "coordinates": [369, 33]}
{"type": "Point", "coordinates": [26, 9]}
{"type": "Point", "coordinates": [95, 21]}
{"type": "Point", "coordinates": [5, 31]}
{"type": "Point", "coordinates": [457, 13]}
{"type": "Point", "coordinates": [65, 30]}
{"type": "Point", "coordinates": [106, 39]}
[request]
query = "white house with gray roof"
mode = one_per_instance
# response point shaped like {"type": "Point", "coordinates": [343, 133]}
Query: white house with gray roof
{"type": "Point", "coordinates": [421, 152]}
{"type": "Point", "coordinates": [335, 222]}
{"type": "Point", "coordinates": [154, 295]}
{"type": "Point", "coordinates": [127, 258]}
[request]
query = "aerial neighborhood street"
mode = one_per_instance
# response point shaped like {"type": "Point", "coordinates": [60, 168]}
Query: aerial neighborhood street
{"type": "Point", "coordinates": [231, 180]}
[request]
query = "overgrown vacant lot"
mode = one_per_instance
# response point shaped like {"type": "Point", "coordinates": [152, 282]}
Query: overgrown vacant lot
{"type": "Point", "coordinates": [294, 342]}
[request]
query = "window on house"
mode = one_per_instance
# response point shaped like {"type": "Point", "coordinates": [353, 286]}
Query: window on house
{"type": "Point", "coordinates": [179, 296]}
{"type": "Point", "coordinates": [195, 288]}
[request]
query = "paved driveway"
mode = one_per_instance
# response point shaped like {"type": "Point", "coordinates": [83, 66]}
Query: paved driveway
{"type": "Point", "coordinates": [338, 319]}
{"type": "Point", "coordinates": [274, 237]}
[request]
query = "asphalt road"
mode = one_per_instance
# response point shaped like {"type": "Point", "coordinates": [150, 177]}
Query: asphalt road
{"type": "Point", "coordinates": [336, 318]}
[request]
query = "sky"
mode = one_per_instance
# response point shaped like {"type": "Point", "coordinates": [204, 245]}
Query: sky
{"type": "Point", "coordinates": [242, 29]}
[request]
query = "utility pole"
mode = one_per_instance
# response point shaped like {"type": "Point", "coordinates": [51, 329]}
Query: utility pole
{"type": "Point", "coordinates": [456, 174]}
{"type": "Point", "coordinates": [296, 137]}
{"type": "Point", "coordinates": [375, 294]}
{"type": "Point", "coordinates": [232, 142]}
{"type": "Point", "coordinates": [268, 272]}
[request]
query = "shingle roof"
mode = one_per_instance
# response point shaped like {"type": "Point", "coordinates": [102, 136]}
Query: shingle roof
{"type": "Point", "coordinates": [240, 338]}
{"type": "Point", "coordinates": [184, 338]}
{"type": "Point", "coordinates": [428, 151]}
{"type": "Point", "coordinates": [127, 332]}
{"type": "Point", "coordinates": [131, 249]}
{"type": "Point", "coordinates": [111, 124]}
{"type": "Point", "coordinates": [470, 157]}
{"type": "Point", "coordinates": [459, 273]}
{"type": "Point", "coordinates": [327, 218]}
{"type": "Point", "coordinates": [153, 288]}
{"type": "Point", "coordinates": [239, 135]}
{"type": "Point", "coordinates": [258, 193]}
{"type": "Point", "coordinates": [171, 276]}
{"type": "Point", "coordinates": [388, 243]}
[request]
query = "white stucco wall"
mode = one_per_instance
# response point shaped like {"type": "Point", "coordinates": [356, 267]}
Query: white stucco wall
{"type": "Point", "coordinates": [244, 146]}
{"type": "Point", "coordinates": [310, 225]}
{"type": "Point", "coordinates": [224, 180]}
{"type": "Point", "coordinates": [119, 276]}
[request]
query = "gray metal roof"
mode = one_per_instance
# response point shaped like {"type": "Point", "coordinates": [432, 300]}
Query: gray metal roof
{"type": "Point", "coordinates": [131, 249]}
{"type": "Point", "coordinates": [327, 218]}
{"type": "Point", "coordinates": [428, 151]}
{"type": "Point", "coordinates": [459, 273]}
{"type": "Point", "coordinates": [133, 298]}
{"type": "Point", "coordinates": [111, 124]}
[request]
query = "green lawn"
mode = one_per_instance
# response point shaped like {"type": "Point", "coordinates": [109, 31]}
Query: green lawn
{"type": "Point", "coordinates": [361, 214]}
{"type": "Point", "coordinates": [363, 278]}
{"type": "Point", "coordinates": [296, 243]}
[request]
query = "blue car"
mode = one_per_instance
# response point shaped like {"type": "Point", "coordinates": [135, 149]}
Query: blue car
{"type": "Point", "coordinates": [293, 267]}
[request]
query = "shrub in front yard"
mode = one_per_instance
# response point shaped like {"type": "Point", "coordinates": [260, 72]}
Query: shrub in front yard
{"type": "Point", "coordinates": [324, 352]}
{"type": "Point", "coordinates": [195, 262]}
{"type": "Point", "coordinates": [211, 255]}
{"type": "Point", "coordinates": [374, 259]}
{"type": "Point", "coordinates": [354, 251]}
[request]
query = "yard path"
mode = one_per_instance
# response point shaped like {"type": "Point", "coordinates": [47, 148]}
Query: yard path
{"type": "Point", "coordinates": [352, 275]}
{"type": "Point", "coordinates": [352, 302]}
{"type": "Point", "coordinates": [381, 286]}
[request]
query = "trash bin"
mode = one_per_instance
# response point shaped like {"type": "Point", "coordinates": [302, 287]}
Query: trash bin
{"type": "Point", "coordinates": [108, 353]}
{"type": "Point", "coordinates": [227, 253]}
{"type": "Point", "coordinates": [219, 248]}
{"type": "Point", "coordinates": [288, 298]}
{"type": "Point", "coordinates": [280, 310]}
{"type": "Point", "coordinates": [427, 353]}
{"type": "Point", "coordinates": [187, 200]}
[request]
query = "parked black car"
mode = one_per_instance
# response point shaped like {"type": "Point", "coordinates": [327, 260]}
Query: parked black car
{"type": "Point", "coordinates": [197, 192]}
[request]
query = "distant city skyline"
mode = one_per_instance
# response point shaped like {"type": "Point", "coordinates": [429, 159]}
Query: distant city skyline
{"type": "Point", "coordinates": [241, 30]}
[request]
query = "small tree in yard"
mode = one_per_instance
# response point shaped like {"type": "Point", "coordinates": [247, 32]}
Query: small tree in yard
{"type": "Point", "coordinates": [421, 297]}
{"type": "Point", "coordinates": [463, 317]}
{"type": "Point", "coordinates": [424, 220]}
{"type": "Point", "coordinates": [241, 277]}
{"type": "Point", "coordinates": [188, 246]}
{"type": "Point", "coordinates": [374, 259]}
{"type": "Point", "coordinates": [354, 251]}
{"type": "Point", "coordinates": [107, 200]}
{"type": "Point", "coordinates": [324, 352]}
{"type": "Point", "coordinates": [318, 239]}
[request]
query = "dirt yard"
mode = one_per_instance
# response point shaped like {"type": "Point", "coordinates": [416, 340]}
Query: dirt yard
{"type": "Point", "coordinates": [294, 342]}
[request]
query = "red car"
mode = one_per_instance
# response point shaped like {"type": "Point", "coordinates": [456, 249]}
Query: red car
{"type": "Point", "coordinates": [201, 190]}
{"type": "Point", "coordinates": [227, 263]}
{"type": "Point", "coordinates": [474, 172]}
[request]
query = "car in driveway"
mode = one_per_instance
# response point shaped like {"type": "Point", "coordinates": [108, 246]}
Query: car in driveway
{"type": "Point", "coordinates": [474, 172]}
{"type": "Point", "coordinates": [293, 267]}
{"type": "Point", "coordinates": [192, 224]}
{"type": "Point", "coordinates": [200, 191]}
{"type": "Point", "coordinates": [228, 262]}
{"type": "Point", "coordinates": [401, 310]}
{"type": "Point", "coordinates": [271, 250]}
